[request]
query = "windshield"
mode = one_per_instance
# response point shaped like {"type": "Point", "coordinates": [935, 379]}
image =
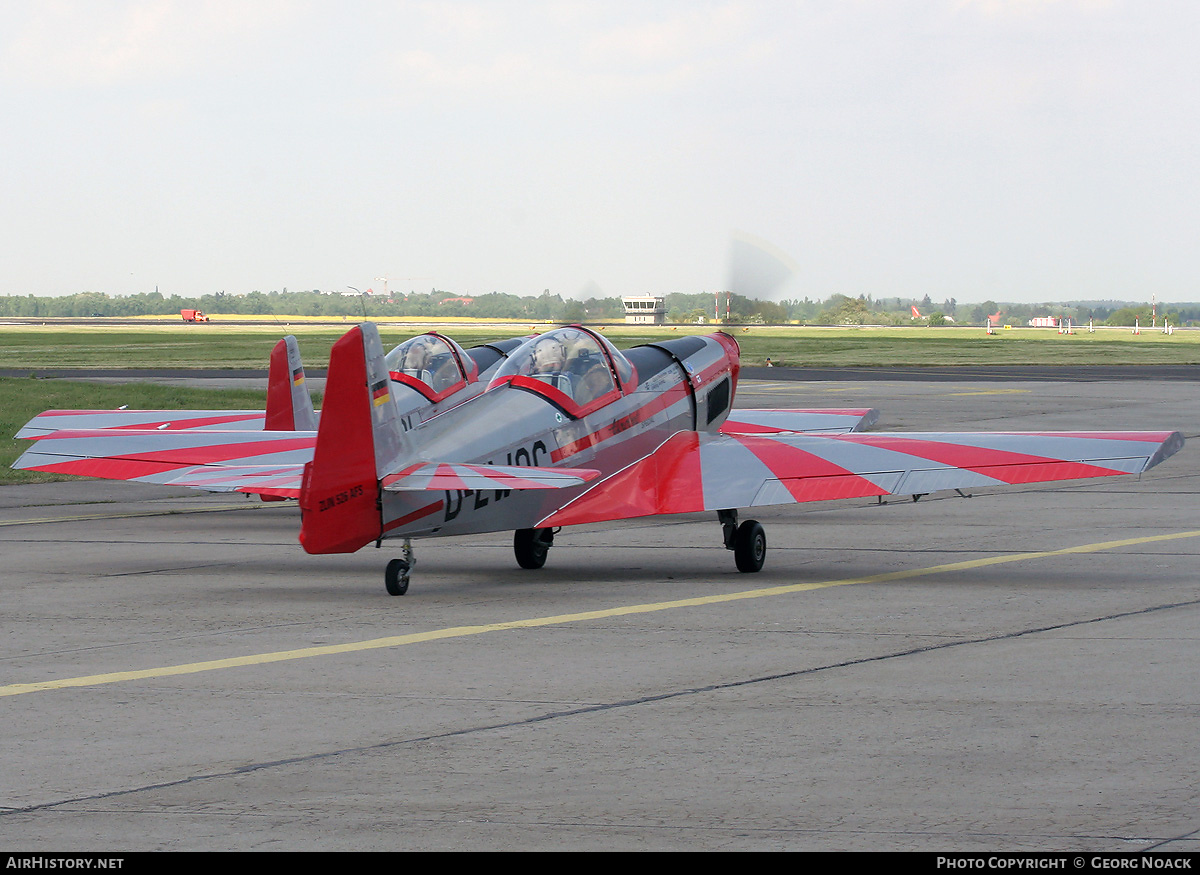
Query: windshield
{"type": "Point", "coordinates": [573, 368]}
{"type": "Point", "coordinates": [432, 364]}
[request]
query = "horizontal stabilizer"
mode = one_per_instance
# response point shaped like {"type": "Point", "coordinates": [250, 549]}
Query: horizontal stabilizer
{"type": "Point", "coordinates": [799, 421]}
{"type": "Point", "coordinates": [450, 475]}
{"type": "Point", "coordinates": [278, 481]}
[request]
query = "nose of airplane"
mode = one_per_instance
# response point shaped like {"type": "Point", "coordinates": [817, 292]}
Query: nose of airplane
{"type": "Point", "coordinates": [733, 352]}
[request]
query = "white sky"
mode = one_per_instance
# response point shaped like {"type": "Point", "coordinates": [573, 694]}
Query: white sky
{"type": "Point", "coordinates": [1020, 150]}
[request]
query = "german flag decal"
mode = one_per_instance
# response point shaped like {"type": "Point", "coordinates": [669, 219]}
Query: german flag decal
{"type": "Point", "coordinates": [379, 393]}
{"type": "Point", "coordinates": [297, 376]}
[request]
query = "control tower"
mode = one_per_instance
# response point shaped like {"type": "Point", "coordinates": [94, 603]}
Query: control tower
{"type": "Point", "coordinates": [644, 309]}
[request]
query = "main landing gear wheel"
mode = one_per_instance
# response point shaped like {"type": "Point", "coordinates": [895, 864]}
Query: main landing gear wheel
{"type": "Point", "coordinates": [531, 546]}
{"type": "Point", "coordinates": [750, 546]}
{"type": "Point", "coordinates": [395, 578]}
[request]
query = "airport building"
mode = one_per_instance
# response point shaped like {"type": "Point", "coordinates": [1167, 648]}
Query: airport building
{"type": "Point", "coordinates": [644, 309]}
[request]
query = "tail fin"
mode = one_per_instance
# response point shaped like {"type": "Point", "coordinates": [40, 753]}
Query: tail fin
{"type": "Point", "coordinates": [289, 405]}
{"type": "Point", "coordinates": [359, 439]}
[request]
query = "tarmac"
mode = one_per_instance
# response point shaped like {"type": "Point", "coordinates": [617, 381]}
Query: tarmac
{"type": "Point", "coordinates": [1017, 670]}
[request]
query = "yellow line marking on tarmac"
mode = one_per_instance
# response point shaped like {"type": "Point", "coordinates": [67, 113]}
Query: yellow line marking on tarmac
{"type": "Point", "coordinates": [992, 392]}
{"type": "Point", "coordinates": [751, 387]}
{"type": "Point", "coordinates": [583, 616]}
{"type": "Point", "coordinates": [791, 387]}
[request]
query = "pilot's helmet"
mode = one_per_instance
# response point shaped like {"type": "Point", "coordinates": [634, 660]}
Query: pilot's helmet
{"type": "Point", "coordinates": [417, 356]}
{"type": "Point", "coordinates": [549, 356]}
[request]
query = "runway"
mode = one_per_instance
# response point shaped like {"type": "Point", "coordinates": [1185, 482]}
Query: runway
{"type": "Point", "coordinates": [1016, 670]}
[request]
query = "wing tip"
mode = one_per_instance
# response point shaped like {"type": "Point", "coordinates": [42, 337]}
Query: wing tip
{"type": "Point", "coordinates": [1169, 447]}
{"type": "Point", "coordinates": [868, 420]}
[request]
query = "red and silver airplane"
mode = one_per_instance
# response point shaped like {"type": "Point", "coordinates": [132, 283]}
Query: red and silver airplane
{"type": "Point", "coordinates": [540, 433]}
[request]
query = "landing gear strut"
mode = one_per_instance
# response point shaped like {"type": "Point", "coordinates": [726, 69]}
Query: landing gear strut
{"type": "Point", "coordinates": [395, 578]}
{"type": "Point", "coordinates": [531, 546]}
{"type": "Point", "coordinates": [747, 541]}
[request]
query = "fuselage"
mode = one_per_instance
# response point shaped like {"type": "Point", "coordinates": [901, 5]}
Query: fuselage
{"type": "Point", "coordinates": [687, 384]}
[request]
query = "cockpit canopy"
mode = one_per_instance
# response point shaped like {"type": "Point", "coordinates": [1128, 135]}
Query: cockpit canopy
{"type": "Point", "coordinates": [575, 369]}
{"type": "Point", "coordinates": [432, 364]}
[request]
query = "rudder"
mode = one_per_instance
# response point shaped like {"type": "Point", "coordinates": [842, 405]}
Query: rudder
{"type": "Point", "coordinates": [359, 437]}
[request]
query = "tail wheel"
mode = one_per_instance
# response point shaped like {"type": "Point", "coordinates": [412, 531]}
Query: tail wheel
{"type": "Point", "coordinates": [750, 546]}
{"type": "Point", "coordinates": [531, 546]}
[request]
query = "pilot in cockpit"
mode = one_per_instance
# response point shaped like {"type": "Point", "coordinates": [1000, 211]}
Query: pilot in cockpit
{"type": "Point", "coordinates": [427, 359]}
{"type": "Point", "coordinates": [416, 362]}
{"type": "Point", "coordinates": [549, 358]}
{"type": "Point", "coordinates": [591, 376]}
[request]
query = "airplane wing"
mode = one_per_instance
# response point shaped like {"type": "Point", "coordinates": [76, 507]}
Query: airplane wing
{"type": "Point", "coordinates": [223, 420]}
{"type": "Point", "coordinates": [777, 421]}
{"type": "Point", "coordinates": [702, 472]}
{"type": "Point", "coordinates": [267, 463]}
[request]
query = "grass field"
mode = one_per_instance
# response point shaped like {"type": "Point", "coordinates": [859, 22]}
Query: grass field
{"type": "Point", "coordinates": [22, 398]}
{"type": "Point", "coordinates": [215, 345]}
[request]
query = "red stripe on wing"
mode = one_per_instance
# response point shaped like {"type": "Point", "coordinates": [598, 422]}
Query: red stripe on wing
{"type": "Point", "coordinates": [198, 422]}
{"type": "Point", "coordinates": [1004, 465]}
{"type": "Point", "coordinates": [127, 466]}
{"type": "Point", "coordinates": [808, 477]}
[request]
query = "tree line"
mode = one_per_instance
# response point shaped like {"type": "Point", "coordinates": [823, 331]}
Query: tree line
{"type": "Point", "coordinates": [837, 309]}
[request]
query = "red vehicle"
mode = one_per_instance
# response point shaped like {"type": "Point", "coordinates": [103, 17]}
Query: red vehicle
{"type": "Point", "coordinates": [193, 315]}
